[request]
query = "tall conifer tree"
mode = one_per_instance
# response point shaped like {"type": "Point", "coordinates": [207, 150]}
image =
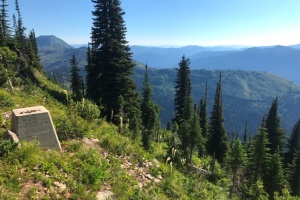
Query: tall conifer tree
{"type": "Point", "coordinates": [203, 122]}
{"type": "Point", "coordinates": [274, 180]}
{"type": "Point", "coordinates": [76, 80]}
{"type": "Point", "coordinates": [259, 155]}
{"type": "Point", "coordinates": [275, 132]}
{"type": "Point", "coordinates": [293, 144]}
{"type": "Point", "coordinates": [183, 103]}
{"type": "Point", "coordinates": [111, 66]}
{"type": "Point", "coordinates": [149, 113]}
{"type": "Point", "coordinates": [203, 113]}
{"type": "Point", "coordinates": [294, 175]}
{"type": "Point", "coordinates": [20, 30]}
{"type": "Point", "coordinates": [195, 136]}
{"type": "Point", "coordinates": [5, 30]}
{"type": "Point", "coordinates": [34, 52]}
{"type": "Point", "coordinates": [217, 144]}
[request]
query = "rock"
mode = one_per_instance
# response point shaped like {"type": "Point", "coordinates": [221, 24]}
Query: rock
{"type": "Point", "coordinates": [149, 176]}
{"type": "Point", "coordinates": [61, 187]}
{"type": "Point", "coordinates": [104, 195]}
{"type": "Point", "coordinates": [9, 135]}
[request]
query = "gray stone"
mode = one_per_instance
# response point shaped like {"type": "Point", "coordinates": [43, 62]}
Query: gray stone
{"type": "Point", "coordinates": [9, 135]}
{"type": "Point", "coordinates": [35, 123]}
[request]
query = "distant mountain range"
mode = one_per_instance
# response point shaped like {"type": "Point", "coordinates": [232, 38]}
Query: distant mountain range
{"type": "Point", "coordinates": [278, 60]}
{"type": "Point", "coordinates": [248, 86]}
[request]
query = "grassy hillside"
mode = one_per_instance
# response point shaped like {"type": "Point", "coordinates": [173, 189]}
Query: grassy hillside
{"type": "Point", "coordinates": [95, 159]}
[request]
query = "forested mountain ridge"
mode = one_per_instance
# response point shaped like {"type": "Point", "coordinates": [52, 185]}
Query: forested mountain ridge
{"type": "Point", "coordinates": [247, 94]}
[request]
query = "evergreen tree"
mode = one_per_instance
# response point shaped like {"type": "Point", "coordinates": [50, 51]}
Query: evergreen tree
{"type": "Point", "coordinates": [34, 52]}
{"type": "Point", "coordinates": [76, 80]}
{"type": "Point", "coordinates": [5, 30]}
{"type": "Point", "coordinates": [236, 161]}
{"type": "Point", "coordinates": [110, 65]}
{"type": "Point", "coordinates": [274, 180]}
{"type": "Point", "coordinates": [195, 136]}
{"type": "Point", "coordinates": [203, 121]}
{"type": "Point", "coordinates": [293, 143]}
{"type": "Point", "coordinates": [20, 30]}
{"type": "Point", "coordinates": [149, 113]}
{"type": "Point", "coordinates": [183, 103]}
{"type": "Point", "coordinates": [245, 138]}
{"type": "Point", "coordinates": [259, 155]}
{"type": "Point", "coordinates": [217, 144]}
{"type": "Point", "coordinates": [294, 175]}
{"type": "Point", "coordinates": [275, 133]}
{"type": "Point", "coordinates": [203, 113]}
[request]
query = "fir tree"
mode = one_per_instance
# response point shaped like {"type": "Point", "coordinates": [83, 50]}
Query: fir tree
{"type": "Point", "coordinates": [5, 30]}
{"type": "Point", "coordinates": [149, 113]}
{"type": "Point", "coordinates": [110, 65]}
{"type": "Point", "coordinates": [245, 137]}
{"type": "Point", "coordinates": [275, 133]}
{"type": "Point", "coordinates": [294, 175]}
{"type": "Point", "coordinates": [195, 136]}
{"type": "Point", "coordinates": [236, 161]}
{"type": "Point", "coordinates": [293, 143]}
{"type": "Point", "coordinates": [183, 103]}
{"type": "Point", "coordinates": [34, 52]}
{"type": "Point", "coordinates": [20, 30]}
{"type": "Point", "coordinates": [76, 80]}
{"type": "Point", "coordinates": [203, 113]}
{"type": "Point", "coordinates": [217, 144]}
{"type": "Point", "coordinates": [259, 155]}
{"type": "Point", "coordinates": [203, 122]}
{"type": "Point", "coordinates": [274, 181]}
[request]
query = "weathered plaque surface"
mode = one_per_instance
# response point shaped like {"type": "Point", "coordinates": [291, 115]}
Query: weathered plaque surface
{"type": "Point", "coordinates": [35, 123]}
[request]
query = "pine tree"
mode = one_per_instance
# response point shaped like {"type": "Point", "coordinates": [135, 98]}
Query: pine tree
{"type": "Point", "coordinates": [274, 181]}
{"type": "Point", "coordinates": [294, 175]}
{"type": "Point", "coordinates": [5, 30]}
{"type": "Point", "coordinates": [149, 112]}
{"type": "Point", "coordinates": [217, 144]}
{"type": "Point", "coordinates": [293, 144]}
{"type": "Point", "coordinates": [183, 103]}
{"type": "Point", "coordinates": [245, 137]}
{"type": "Point", "coordinates": [236, 161]}
{"type": "Point", "coordinates": [34, 52]}
{"type": "Point", "coordinates": [203, 114]}
{"type": "Point", "coordinates": [110, 65]}
{"type": "Point", "coordinates": [76, 80]}
{"type": "Point", "coordinates": [20, 30]}
{"type": "Point", "coordinates": [203, 122]}
{"type": "Point", "coordinates": [275, 132]}
{"type": "Point", "coordinates": [259, 156]}
{"type": "Point", "coordinates": [195, 135]}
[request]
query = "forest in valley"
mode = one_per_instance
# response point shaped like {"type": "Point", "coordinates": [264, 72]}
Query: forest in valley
{"type": "Point", "coordinates": [104, 122]}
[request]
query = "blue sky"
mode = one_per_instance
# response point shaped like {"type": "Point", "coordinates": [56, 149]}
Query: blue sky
{"type": "Point", "coordinates": [173, 22]}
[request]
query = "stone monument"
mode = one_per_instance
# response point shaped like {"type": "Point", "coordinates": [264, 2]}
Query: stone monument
{"type": "Point", "coordinates": [35, 123]}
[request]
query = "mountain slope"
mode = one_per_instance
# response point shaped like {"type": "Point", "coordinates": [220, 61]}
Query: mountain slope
{"type": "Point", "coordinates": [279, 60]}
{"type": "Point", "coordinates": [247, 94]}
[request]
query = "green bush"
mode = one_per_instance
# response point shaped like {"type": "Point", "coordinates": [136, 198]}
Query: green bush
{"type": "Point", "coordinates": [71, 128]}
{"type": "Point", "coordinates": [6, 99]}
{"type": "Point", "coordinates": [7, 146]}
{"type": "Point", "coordinates": [87, 110]}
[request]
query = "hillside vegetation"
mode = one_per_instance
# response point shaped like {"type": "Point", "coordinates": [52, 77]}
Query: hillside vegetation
{"type": "Point", "coordinates": [113, 144]}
